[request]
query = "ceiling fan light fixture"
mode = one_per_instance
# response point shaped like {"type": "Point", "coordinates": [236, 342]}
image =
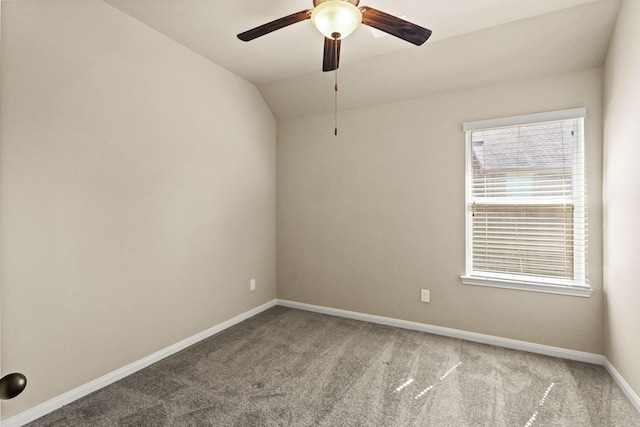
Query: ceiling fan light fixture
{"type": "Point", "coordinates": [336, 18]}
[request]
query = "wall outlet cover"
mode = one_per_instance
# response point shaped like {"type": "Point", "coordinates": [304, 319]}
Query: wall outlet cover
{"type": "Point", "coordinates": [425, 295]}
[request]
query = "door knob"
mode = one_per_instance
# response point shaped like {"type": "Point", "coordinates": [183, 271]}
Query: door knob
{"type": "Point", "coordinates": [12, 385]}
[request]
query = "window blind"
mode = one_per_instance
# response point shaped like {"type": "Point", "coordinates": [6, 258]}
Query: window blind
{"type": "Point", "coordinates": [526, 194]}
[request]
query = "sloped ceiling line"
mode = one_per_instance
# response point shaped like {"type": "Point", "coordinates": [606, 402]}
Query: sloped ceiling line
{"type": "Point", "coordinates": [475, 43]}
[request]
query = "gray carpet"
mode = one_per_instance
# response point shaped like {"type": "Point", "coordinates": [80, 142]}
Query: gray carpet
{"type": "Point", "coordinates": [288, 367]}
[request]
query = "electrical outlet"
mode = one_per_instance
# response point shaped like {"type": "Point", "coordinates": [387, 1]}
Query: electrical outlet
{"type": "Point", "coordinates": [252, 285]}
{"type": "Point", "coordinates": [425, 295]}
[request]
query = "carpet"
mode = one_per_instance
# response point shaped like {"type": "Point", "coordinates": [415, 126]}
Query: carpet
{"type": "Point", "coordinates": [287, 367]}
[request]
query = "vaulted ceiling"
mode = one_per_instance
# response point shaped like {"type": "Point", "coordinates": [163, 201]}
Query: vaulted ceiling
{"type": "Point", "coordinates": [475, 43]}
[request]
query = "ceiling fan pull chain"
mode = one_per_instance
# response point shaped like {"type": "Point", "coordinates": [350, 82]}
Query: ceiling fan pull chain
{"type": "Point", "coordinates": [335, 107]}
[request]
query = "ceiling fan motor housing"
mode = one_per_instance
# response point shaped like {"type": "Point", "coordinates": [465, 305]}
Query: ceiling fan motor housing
{"type": "Point", "coordinates": [317, 2]}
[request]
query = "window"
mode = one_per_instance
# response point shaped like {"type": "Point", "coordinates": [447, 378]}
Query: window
{"type": "Point", "coordinates": [526, 203]}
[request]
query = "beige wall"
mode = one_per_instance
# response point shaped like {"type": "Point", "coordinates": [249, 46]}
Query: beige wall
{"type": "Point", "coordinates": [138, 194]}
{"type": "Point", "coordinates": [367, 219]}
{"type": "Point", "coordinates": [622, 196]}
{"type": "Point", "coordinates": [138, 199]}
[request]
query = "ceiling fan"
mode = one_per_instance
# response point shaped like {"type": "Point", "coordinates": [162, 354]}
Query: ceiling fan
{"type": "Point", "coordinates": [336, 19]}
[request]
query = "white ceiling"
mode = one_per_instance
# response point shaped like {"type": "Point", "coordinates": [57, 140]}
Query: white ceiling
{"type": "Point", "coordinates": [474, 43]}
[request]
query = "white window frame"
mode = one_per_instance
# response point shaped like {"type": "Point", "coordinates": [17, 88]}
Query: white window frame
{"type": "Point", "coordinates": [577, 287]}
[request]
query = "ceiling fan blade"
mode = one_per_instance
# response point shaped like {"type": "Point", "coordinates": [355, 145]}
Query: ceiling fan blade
{"type": "Point", "coordinates": [395, 26]}
{"type": "Point", "coordinates": [331, 59]}
{"type": "Point", "coordinates": [269, 27]}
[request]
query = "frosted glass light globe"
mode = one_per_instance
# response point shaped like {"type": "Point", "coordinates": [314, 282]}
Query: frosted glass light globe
{"type": "Point", "coordinates": [336, 17]}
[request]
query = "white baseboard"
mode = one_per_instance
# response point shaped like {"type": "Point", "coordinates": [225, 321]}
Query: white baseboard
{"type": "Point", "coordinates": [75, 394]}
{"type": "Point", "coordinates": [626, 388]}
{"type": "Point", "coordinates": [66, 398]}
{"type": "Point", "coordinates": [562, 353]}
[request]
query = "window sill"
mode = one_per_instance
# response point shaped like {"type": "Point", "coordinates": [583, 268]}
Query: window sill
{"type": "Point", "coordinates": [575, 291]}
